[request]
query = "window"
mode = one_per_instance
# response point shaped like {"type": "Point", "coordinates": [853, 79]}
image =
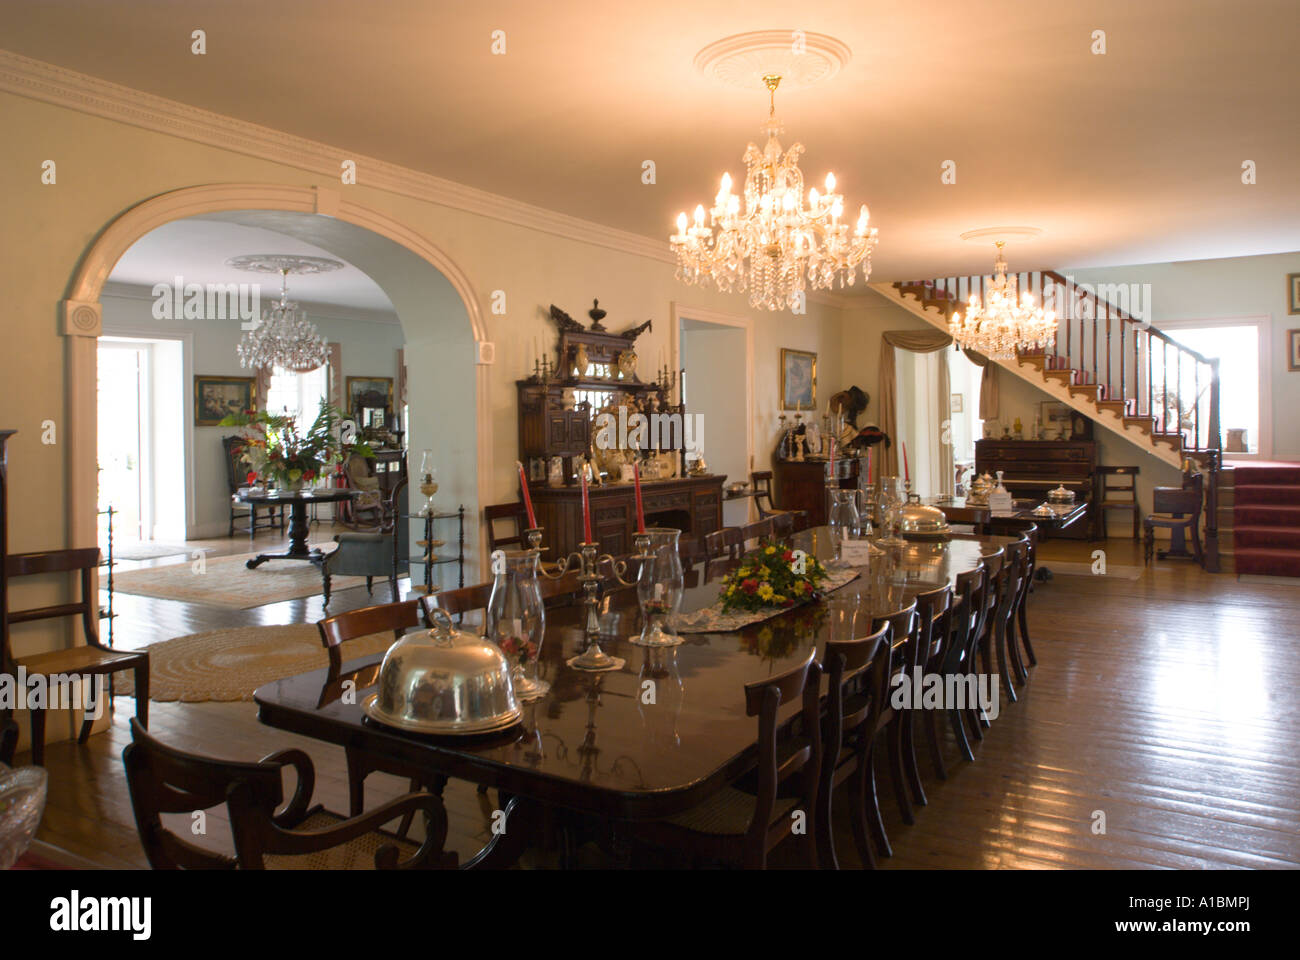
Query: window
{"type": "Point", "coordinates": [298, 394]}
{"type": "Point", "coordinates": [1243, 414]}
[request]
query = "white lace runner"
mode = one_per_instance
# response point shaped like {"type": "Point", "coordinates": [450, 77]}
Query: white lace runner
{"type": "Point", "coordinates": [711, 619]}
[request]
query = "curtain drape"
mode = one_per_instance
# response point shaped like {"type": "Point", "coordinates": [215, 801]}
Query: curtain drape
{"type": "Point", "coordinates": [988, 384]}
{"type": "Point", "coordinates": [918, 341]}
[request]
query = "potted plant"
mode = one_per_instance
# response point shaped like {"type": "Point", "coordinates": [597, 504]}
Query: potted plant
{"type": "Point", "coordinates": [275, 450]}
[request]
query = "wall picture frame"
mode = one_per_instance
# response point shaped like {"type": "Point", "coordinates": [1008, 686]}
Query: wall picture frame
{"type": "Point", "coordinates": [359, 387]}
{"type": "Point", "coordinates": [1293, 293]}
{"type": "Point", "coordinates": [958, 403]}
{"type": "Point", "coordinates": [1293, 351]}
{"type": "Point", "coordinates": [216, 398]}
{"type": "Point", "coordinates": [798, 379]}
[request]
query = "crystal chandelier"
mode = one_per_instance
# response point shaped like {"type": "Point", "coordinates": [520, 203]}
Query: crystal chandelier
{"type": "Point", "coordinates": [1005, 323]}
{"type": "Point", "coordinates": [775, 245]}
{"type": "Point", "coordinates": [285, 339]}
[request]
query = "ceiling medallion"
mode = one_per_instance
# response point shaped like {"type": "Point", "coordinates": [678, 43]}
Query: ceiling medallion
{"type": "Point", "coordinates": [801, 58]}
{"type": "Point", "coordinates": [1004, 323]}
{"type": "Point", "coordinates": [774, 246]}
{"type": "Point", "coordinates": [285, 339]}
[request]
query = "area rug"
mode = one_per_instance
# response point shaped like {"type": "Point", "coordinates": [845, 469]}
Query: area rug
{"type": "Point", "coordinates": [227, 582]}
{"type": "Point", "coordinates": [230, 664]}
{"type": "Point", "coordinates": [143, 550]}
{"type": "Point", "coordinates": [1113, 570]}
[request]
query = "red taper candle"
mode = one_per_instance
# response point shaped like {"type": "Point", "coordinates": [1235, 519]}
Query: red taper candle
{"type": "Point", "coordinates": [907, 474]}
{"type": "Point", "coordinates": [586, 508]}
{"type": "Point", "coordinates": [640, 510]}
{"type": "Point", "coordinates": [528, 500]}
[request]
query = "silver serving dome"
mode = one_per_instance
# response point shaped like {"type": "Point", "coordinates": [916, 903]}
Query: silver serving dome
{"type": "Point", "coordinates": [923, 522]}
{"type": "Point", "coordinates": [1060, 495]}
{"type": "Point", "coordinates": [444, 681]}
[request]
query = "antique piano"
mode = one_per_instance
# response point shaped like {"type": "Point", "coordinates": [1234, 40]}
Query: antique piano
{"type": "Point", "coordinates": [1030, 468]}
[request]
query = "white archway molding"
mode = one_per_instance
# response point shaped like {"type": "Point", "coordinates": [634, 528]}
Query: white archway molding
{"type": "Point", "coordinates": [82, 317]}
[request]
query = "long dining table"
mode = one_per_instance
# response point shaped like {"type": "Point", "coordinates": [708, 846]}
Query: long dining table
{"type": "Point", "coordinates": [644, 742]}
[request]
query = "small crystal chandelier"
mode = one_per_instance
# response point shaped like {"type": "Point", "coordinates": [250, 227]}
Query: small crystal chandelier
{"type": "Point", "coordinates": [285, 339]}
{"type": "Point", "coordinates": [775, 245]}
{"type": "Point", "coordinates": [1006, 323]}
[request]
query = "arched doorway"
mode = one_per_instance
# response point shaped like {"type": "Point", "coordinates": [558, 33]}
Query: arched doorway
{"type": "Point", "coordinates": [439, 311]}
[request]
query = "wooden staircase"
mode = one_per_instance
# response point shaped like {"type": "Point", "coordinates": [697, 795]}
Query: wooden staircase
{"type": "Point", "coordinates": [1116, 369]}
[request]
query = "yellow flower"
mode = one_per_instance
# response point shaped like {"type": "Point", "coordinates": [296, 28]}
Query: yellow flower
{"type": "Point", "coordinates": [777, 598]}
{"type": "Point", "coordinates": [765, 592]}
{"type": "Point", "coordinates": [770, 550]}
{"type": "Point", "coordinates": [743, 572]}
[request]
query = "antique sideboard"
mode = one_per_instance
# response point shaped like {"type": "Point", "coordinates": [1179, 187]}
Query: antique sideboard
{"type": "Point", "coordinates": [691, 504]}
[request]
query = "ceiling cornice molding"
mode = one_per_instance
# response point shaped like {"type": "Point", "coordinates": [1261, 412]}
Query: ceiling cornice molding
{"type": "Point", "coordinates": [48, 83]}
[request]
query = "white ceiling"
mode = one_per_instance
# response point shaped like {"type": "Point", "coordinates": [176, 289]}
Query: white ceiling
{"type": "Point", "coordinates": [1130, 157]}
{"type": "Point", "coordinates": [197, 249]}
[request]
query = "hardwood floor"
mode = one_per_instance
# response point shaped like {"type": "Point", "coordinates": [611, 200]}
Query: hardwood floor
{"type": "Point", "coordinates": [1166, 703]}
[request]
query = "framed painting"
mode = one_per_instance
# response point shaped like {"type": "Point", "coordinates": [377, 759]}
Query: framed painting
{"type": "Point", "coordinates": [1293, 351]}
{"type": "Point", "coordinates": [1293, 293]}
{"type": "Point", "coordinates": [798, 380]}
{"type": "Point", "coordinates": [369, 393]}
{"type": "Point", "coordinates": [957, 403]}
{"type": "Point", "coordinates": [216, 398]}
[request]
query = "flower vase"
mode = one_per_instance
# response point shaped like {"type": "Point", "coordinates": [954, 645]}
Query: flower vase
{"type": "Point", "coordinates": [659, 589]}
{"type": "Point", "coordinates": [516, 619]}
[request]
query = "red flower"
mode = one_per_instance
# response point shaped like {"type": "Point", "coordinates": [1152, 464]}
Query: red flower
{"type": "Point", "coordinates": [807, 587]}
{"type": "Point", "coordinates": [788, 602]}
{"type": "Point", "coordinates": [308, 474]}
{"type": "Point", "coordinates": [251, 477]}
{"type": "Point", "coordinates": [749, 586]}
{"type": "Point", "coordinates": [788, 556]}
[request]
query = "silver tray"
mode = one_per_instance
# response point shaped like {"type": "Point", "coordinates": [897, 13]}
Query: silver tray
{"type": "Point", "coordinates": [440, 727]}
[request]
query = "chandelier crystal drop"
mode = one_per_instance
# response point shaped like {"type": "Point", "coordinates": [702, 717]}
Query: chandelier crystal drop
{"type": "Point", "coordinates": [775, 243]}
{"type": "Point", "coordinates": [285, 339]}
{"type": "Point", "coordinates": [1005, 322]}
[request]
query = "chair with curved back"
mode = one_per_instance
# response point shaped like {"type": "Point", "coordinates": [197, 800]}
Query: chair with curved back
{"type": "Point", "coordinates": [857, 685]}
{"type": "Point", "coordinates": [743, 828]}
{"type": "Point", "coordinates": [903, 624]}
{"type": "Point", "coordinates": [956, 659]}
{"type": "Point", "coordinates": [383, 553]}
{"type": "Point", "coordinates": [164, 780]}
{"type": "Point", "coordinates": [935, 608]}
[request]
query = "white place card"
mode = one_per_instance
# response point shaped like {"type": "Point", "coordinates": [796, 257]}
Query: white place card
{"type": "Point", "coordinates": [1000, 504]}
{"type": "Point", "coordinates": [855, 553]}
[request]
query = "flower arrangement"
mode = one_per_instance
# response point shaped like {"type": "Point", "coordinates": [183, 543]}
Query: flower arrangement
{"type": "Point", "coordinates": [768, 577]}
{"type": "Point", "coordinates": [275, 450]}
{"type": "Point", "coordinates": [776, 640]}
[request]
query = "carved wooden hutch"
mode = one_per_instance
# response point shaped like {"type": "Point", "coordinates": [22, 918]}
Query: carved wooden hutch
{"type": "Point", "coordinates": [557, 406]}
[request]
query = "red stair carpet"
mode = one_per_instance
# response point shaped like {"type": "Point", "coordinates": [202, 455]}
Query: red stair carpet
{"type": "Point", "coordinates": [1266, 519]}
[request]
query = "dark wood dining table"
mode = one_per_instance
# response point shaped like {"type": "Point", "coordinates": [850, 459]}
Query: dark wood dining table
{"type": "Point", "coordinates": [650, 740]}
{"type": "Point", "coordinates": [978, 515]}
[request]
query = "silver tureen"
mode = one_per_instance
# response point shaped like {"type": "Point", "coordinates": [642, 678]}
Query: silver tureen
{"type": "Point", "coordinates": [444, 681]}
{"type": "Point", "coordinates": [923, 522]}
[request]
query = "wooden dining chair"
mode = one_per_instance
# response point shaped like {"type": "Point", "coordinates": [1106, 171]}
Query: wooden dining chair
{"type": "Point", "coordinates": [903, 624]}
{"type": "Point", "coordinates": [457, 603]}
{"type": "Point", "coordinates": [94, 659]}
{"type": "Point", "coordinates": [1010, 582]}
{"type": "Point", "coordinates": [364, 622]}
{"type": "Point", "coordinates": [783, 525]}
{"type": "Point", "coordinates": [743, 828]}
{"type": "Point", "coordinates": [755, 531]}
{"type": "Point", "coordinates": [722, 547]}
{"type": "Point", "coordinates": [760, 481]}
{"type": "Point", "coordinates": [1028, 530]}
{"type": "Point", "coordinates": [935, 609]}
{"type": "Point", "coordinates": [857, 685]}
{"type": "Point", "coordinates": [515, 519]}
{"type": "Point", "coordinates": [968, 610]}
{"type": "Point", "coordinates": [163, 780]}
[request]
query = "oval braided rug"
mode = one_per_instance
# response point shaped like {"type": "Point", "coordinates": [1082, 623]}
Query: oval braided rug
{"type": "Point", "coordinates": [230, 664]}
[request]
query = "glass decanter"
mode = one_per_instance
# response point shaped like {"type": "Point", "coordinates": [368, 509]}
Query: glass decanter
{"type": "Point", "coordinates": [516, 619]}
{"type": "Point", "coordinates": [892, 499]}
{"type": "Point", "coordinates": [659, 589]}
{"type": "Point", "coordinates": [428, 483]}
{"type": "Point", "coordinates": [843, 518]}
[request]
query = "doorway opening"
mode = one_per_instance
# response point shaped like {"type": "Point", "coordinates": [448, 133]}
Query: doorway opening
{"type": "Point", "coordinates": [141, 440]}
{"type": "Point", "coordinates": [716, 354]}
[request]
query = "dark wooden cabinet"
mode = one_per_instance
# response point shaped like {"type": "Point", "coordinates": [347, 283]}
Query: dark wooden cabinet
{"type": "Point", "coordinates": [692, 505]}
{"type": "Point", "coordinates": [547, 428]}
{"type": "Point", "coordinates": [801, 484]}
{"type": "Point", "coordinates": [1030, 468]}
